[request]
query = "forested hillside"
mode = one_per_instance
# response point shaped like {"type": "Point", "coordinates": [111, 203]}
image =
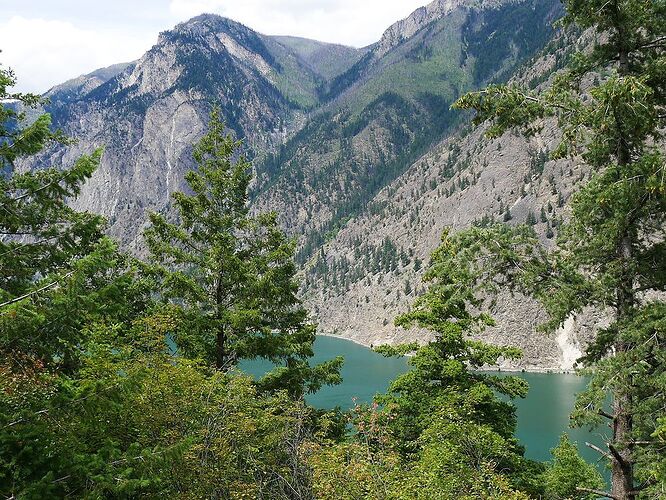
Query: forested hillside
{"type": "Point", "coordinates": [328, 129]}
{"type": "Point", "coordinates": [536, 181]}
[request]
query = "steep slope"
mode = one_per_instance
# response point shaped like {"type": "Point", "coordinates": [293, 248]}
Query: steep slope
{"type": "Point", "coordinates": [392, 105]}
{"type": "Point", "coordinates": [371, 270]}
{"type": "Point", "coordinates": [148, 113]}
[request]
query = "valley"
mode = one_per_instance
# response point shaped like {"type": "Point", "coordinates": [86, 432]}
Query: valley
{"type": "Point", "coordinates": [348, 145]}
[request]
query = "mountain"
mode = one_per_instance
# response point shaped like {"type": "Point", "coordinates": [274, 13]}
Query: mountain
{"type": "Point", "coordinates": [149, 112]}
{"type": "Point", "coordinates": [370, 270]}
{"type": "Point", "coordinates": [392, 106]}
{"type": "Point", "coordinates": [325, 59]}
{"type": "Point", "coordinates": [356, 149]}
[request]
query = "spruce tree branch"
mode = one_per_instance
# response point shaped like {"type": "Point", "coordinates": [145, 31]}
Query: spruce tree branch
{"type": "Point", "coordinates": [46, 410]}
{"type": "Point", "coordinates": [34, 292]}
{"type": "Point", "coordinates": [652, 44]}
{"type": "Point", "coordinates": [606, 414]}
{"type": "Point", "coordinates": [42, 188]}
{"type": "Point", "coordinates": [15, 249]}
{"type": "Point", "coordinates": [38, 190]}
{"type": "Point", "coordinates": [536, 100]}
{"type": "Point", "coordinates": [597, 492]}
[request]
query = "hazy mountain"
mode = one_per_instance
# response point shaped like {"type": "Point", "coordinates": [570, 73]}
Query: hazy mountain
{"type": "Point", "coordinates": [326, 59]}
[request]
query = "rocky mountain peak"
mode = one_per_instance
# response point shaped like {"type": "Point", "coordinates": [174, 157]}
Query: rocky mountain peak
{"type": "Point", "coordinates": [207, 37]}
{"type": "Point", "coordinates": [204, 24]}
{"type": "Point", "coordinates": [421, 17]}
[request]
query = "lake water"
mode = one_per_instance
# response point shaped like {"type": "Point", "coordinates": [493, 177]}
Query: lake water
{"type": "Point", "coordinates": [542, 417]}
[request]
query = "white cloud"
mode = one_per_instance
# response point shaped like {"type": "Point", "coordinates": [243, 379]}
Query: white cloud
{"type": "Point", "coordinates": [350, 22]}
{"type": "Point", "coordinates": [45, 52]}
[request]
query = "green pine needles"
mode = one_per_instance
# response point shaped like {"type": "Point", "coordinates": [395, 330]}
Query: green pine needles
{"type": "Point", "coordinates": [232, 274]}
{"type": "Point", "coordinates": [612, 253]}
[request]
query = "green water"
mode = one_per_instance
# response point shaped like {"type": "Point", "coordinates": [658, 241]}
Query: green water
{"type": "Point", "coordinates": [542, 417]}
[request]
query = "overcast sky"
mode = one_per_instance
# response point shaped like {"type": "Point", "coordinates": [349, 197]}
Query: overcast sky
{"type": "Point", "coordinates": [49, 41]}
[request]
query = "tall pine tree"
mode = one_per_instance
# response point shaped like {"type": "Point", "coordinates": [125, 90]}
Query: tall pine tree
{"type": "Point", "coordinates": [39, 233]}
{"type": "Point", "coordinates": [234, 274]}
{"type": "Point", "coordinates": [41, 238]}
{"type": "Point", "coordinates": [612, 253]}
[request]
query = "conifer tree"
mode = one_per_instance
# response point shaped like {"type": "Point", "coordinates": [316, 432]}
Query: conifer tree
{"type": "Point", "coordinates": [42, 239]}
{"type": "Point", "coordinates": [445, 388]}
{"type": "Point", "coordinates": [233, 273]}
{"type": "Point", "coordinates": [39, 233]}
{"type": "Point", "coordinates": [612, 253]}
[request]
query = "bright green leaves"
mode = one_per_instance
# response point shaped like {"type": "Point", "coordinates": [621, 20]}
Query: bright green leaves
{"type": "Point", "coordinates": [568, 472]}
{"type": "Point", "coordinates": [143, 424]}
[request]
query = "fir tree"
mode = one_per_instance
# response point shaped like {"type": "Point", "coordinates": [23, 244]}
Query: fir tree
{"type": "Point", "coordinates": [444, 388]}
{"type": "Point", "coordinates": [234, 273]}
{"type": "Point", "coordinates": [42, 239]}
{"type": "Point", "coordinates": [612, 250]}
{"type": "Point", "coordinates": [40, 233]}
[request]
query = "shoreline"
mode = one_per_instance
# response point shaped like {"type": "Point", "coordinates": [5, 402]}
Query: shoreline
{"type": "Point", "coordinates": [545, 371]}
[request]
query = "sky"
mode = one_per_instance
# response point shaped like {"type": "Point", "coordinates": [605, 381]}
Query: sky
{"type": "Point", "coordinates": [47, 42]}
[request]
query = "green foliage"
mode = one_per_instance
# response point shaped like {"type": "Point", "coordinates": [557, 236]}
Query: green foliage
{"type": "Point", "coordinates": [233, 274]}
{"type": "Point", "coordinates": [137, 422]}
{"type": "Point", "coordinates": [444, 392]}
{"type": "Point", "coordinates": [396, 350]}
{"type": "Point", "coordinates": [612, 251]}
{"type": "Point", "coordinates": [568, 471]}
{"type": "Point", "coordinates": [458, 459]}
{"type": "Point", "coordinates": [444, 368]}
{"type": "Point", "coordinates": [49, 328]}
{"type": "Point", "coordinates": [94, 404]}
{"type": "Point", "coordinates": [40, 233]}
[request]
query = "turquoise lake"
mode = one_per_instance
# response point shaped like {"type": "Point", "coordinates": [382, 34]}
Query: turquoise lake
{"type": "Point", "coordinates": [542, 417]}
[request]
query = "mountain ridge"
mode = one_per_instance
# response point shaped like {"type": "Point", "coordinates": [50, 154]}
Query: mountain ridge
{"type": "Point", "coordinates": [326, 146]}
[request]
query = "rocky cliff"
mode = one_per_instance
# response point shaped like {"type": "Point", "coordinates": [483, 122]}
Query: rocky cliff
{"type": "Point", "coordinates": [357, 149]}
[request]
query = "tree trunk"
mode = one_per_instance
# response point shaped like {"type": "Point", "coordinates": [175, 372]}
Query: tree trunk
{"type": "Point", "coordinates": [622, 467]}
{"type": "Point", "coordinates": [220, 350]}
{"type": "Point", "coordinates": [622, 470]}
{"type": "Point", "coordinates": [221, 338]}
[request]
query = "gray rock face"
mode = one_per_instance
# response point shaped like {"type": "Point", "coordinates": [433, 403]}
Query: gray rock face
{"type": "Point", "coordinates": [423, 16]}
{"type": "Point", "coordinates": [147, 114]}
{"type": "Point", "coordinates": [355, 148]}
{"type": "Point", "coordinates": [413, 211]}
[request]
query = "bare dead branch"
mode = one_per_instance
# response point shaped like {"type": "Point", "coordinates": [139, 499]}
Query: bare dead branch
{"type": "Point", "coordinates": [597, 492]}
